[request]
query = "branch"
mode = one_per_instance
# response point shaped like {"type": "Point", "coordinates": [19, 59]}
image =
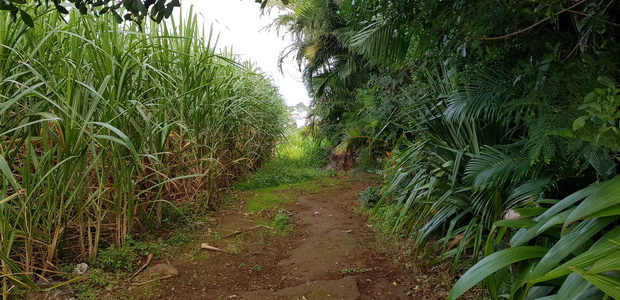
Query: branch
{"type": "Point", "coordinates": [531, 26]}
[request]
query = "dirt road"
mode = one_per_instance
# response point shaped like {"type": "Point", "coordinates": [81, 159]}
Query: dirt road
{"type": "Point", "coordinates": [327, 251]}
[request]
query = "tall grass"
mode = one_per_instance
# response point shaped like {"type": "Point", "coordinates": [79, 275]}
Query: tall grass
{"type": "Point", "coordinates": [102, 123]}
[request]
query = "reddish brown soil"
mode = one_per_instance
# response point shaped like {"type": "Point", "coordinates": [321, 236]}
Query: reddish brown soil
{"type": "Point", "coordinates": [332, 253]}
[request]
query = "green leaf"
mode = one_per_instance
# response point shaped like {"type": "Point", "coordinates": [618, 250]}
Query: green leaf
{"type": "Point", "coordinates": [610, 211]}
{"type": "Point", "coordinates": [6, 172]}
{"type": "Point", "coordinates": [606, 81]}
{"type": "Point", "coordinates": [8, 7]}
{"type": "Point", "coordinates": [580, 122]}
{"type": "Point", "coordinates": [117, 17]}
{"type": "Point", "coordinates": [610, 262]}
{"type": "Point", "coordinates": [602, 248]}
{"type": "Point", "coordinates": [492, 264]}
{"type": "Point", "coordinates": [61, 9]}
{"type": "Point", "coordinates": [573, 286]}
{"type": "Point", "coordinates": [568, 244]}
{"type": "Point", "coordinates": [26, 18]}
{"type": "Point", "coordinates": [606, 194]}
{"type": "Point", "coordinates": [609, 285]}
{"type": "Point", "coordinates": [515, 223]}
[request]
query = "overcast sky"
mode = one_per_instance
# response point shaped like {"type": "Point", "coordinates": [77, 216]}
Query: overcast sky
{"type": "Point", "coordinates": [241, 26]}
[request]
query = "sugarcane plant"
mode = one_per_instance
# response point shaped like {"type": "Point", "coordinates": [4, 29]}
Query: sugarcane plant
{"type": "Point", "coordinates": [102, 124]}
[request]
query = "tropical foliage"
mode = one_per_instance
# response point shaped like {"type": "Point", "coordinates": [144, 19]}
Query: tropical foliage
{"type": "Point", "coordinates": [102, 126]}
{"type": "Point", "coordinates": [132, 10]}
{"type": "Point", "coordinates": [488, 111]}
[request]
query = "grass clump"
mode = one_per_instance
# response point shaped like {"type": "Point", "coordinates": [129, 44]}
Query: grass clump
{"type": "Point", "coordinates": [257, 268]}
{"type": "Point", "coordinates": [123, 258]}
{"type": "Point", "coordinates": [178, 216]}
{"type": "Point", "coordinates": [279, 172]}
{"type": "Point", "coordinates": [282, 221]}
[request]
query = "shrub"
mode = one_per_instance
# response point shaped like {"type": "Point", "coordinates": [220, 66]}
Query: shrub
{"type": "Point", "coordinates": [117, 259]}
{"type": "Point", "coordinates": [179, 239]}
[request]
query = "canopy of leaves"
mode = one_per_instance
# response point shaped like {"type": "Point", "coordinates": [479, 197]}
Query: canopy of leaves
{"type": "Point", "coordinates": [129, 10]}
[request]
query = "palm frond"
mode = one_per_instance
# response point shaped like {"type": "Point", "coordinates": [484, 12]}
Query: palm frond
{"type": "Point", "coordinates": [382, 41]}
{"type": "Point", "coordinates": [494, 168]}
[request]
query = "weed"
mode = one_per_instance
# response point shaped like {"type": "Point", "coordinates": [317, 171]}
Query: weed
{"type": "Point", "coordinates": [179, 239]}
{"type": "Point", "coordinates": [351, 271]}
{"type": "Point", "coordinates": [257, 268]}
{"type": "Point", "coordinates": [236, 249]}
{"type": "Point", "coordinates": [370, 196]}
{"type": "Point", "coordinates": [89, 289]}
{"type": "Point", "coordinates": [177, 216]}
{"type": "Point", "coordinates": [282, 221]}
{"type": "Point", "coordinates": [145, 247]}
{"type": "Point", "coordinates": [117, 259]}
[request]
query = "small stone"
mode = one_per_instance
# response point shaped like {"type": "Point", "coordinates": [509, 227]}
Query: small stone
{"type": "Point", "coordinates": [161, 270]}
{"type": "Point", "coordinates": [80, 268]}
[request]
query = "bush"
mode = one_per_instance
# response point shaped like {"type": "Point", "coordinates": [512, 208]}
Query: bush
{"type": "Point", "coordinates": [145, 247]}
{"type": "Point", "coordinates": [117, 259]}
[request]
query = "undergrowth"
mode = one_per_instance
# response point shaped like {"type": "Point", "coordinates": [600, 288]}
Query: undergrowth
{"type": "Point", "coordinates": [299, 159]}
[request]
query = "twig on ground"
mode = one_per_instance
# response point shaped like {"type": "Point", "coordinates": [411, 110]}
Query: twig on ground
{"type": "Point", "coordinates": [148, 261]}
{"type": "Point", "coordinates": [245, 230]}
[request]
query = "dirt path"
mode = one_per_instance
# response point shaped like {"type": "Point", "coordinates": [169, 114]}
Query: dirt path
{"type": "Point", "coordinates": [330, 253]}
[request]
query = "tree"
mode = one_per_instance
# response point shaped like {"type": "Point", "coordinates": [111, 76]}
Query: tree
{"type": "Point", "coordinates": [131, 10]}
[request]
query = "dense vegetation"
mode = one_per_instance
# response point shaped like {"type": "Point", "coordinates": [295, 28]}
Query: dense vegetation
{"type": "Point", "coordinates": [103, 125]}
{"type": "Point", "coordinates": [500, 120]}
{"type": "Point", "coordinates": [300, 158]}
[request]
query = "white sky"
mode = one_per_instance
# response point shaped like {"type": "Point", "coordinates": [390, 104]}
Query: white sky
{"type": "Point", "coordinates": [240, 25]}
